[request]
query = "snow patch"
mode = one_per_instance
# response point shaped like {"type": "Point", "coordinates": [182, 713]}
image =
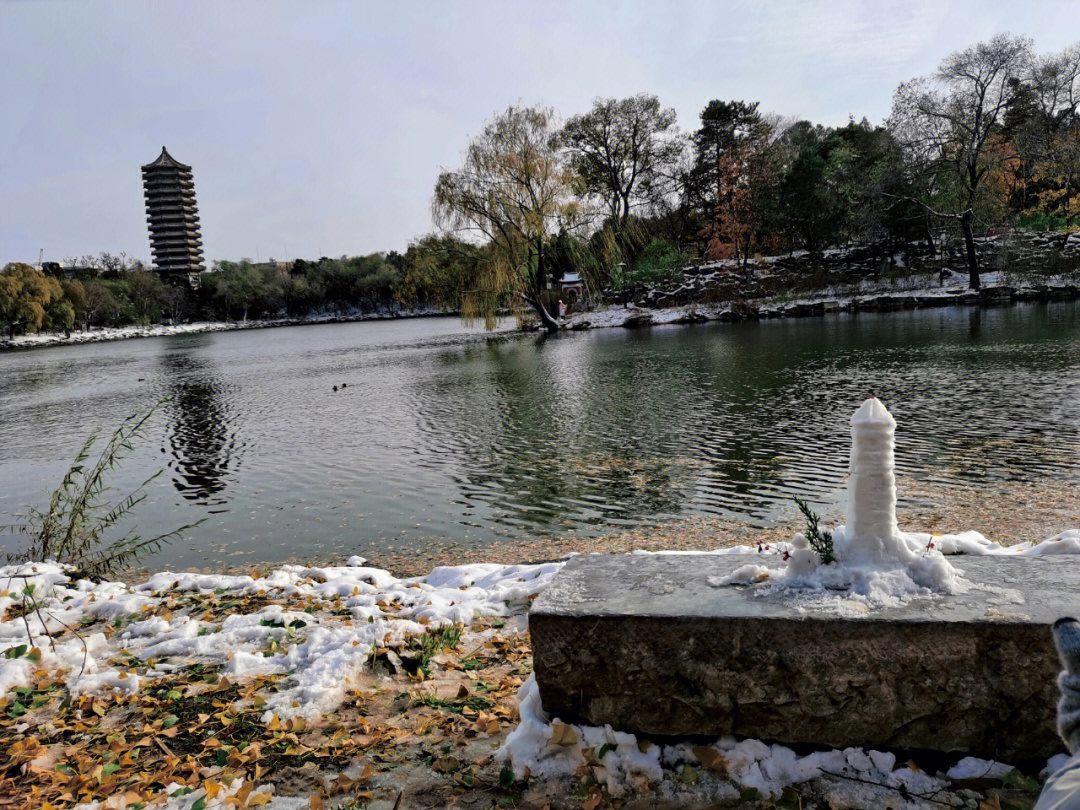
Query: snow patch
{"type": "Point", "coordinates": [975, 768]}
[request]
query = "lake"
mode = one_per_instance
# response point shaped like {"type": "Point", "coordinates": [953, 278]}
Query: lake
{"type": "Point", "coordinates": [439, 434]}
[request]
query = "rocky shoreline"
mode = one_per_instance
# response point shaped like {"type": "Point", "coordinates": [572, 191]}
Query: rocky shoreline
{"type": "Point", "coordinates": [102, 334]}
{"type": "Point", "coordinates": [1019, 266]}
{"type": "Point", "coordinates": [994, 294]}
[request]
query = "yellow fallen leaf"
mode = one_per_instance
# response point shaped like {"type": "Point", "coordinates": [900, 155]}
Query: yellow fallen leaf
{"type": "Point", "coordinates": [562, 734]}
{"type": "Point", "coordinates": [446, 764]}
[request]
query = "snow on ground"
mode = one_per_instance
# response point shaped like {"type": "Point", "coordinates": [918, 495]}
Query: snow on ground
{"type": "Point", "coordinates": [324, 656]}
{"type": "Point", "coordinates": [117, 333]}
{"type": "Point", "coordinates": [103, 333]}
{"type": "Point", "coordinates": [355, 609]}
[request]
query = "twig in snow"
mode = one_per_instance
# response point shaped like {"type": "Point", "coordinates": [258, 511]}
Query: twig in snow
{"type": "Point", "coordinates": [903, 791]}
{"type": "Point", "coordinates": [28, 593]}
{"type": "Point", "coordinates": [78, 635]}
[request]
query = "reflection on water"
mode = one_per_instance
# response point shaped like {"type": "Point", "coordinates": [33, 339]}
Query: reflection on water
{"type": "Point", "coordinates": [202, 433]}
{"type": "Point", "coordinates": [437, 435]}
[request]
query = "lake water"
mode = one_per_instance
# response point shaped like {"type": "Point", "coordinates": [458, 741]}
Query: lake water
{"type": "Point", "coordinates": [448, 435]}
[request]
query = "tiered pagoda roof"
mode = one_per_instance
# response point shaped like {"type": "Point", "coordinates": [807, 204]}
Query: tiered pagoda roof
{"type": "Point", "coordinates": [173, 216]}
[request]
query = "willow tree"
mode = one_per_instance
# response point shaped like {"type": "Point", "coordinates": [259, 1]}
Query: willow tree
{"type": "Point", "coordinates": [515, 191]}
{"type": "Point", "coordinates": [25, 296]}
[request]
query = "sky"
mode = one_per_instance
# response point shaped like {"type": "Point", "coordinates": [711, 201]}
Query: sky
{"type": "Point", "coordinates": [319, 128]}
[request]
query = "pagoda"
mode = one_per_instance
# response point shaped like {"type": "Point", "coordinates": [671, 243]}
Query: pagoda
{"type": "Point", "coordinates": [173, 216]}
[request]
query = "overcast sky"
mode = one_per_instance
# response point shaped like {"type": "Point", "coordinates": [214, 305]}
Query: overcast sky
{"type": "Point", "coordinates": [319, 128]}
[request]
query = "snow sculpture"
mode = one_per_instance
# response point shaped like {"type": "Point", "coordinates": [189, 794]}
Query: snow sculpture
{"type": "Point", "coordinates": [871, 559]}
{"type": "Point", "coordinates": [872, 537]}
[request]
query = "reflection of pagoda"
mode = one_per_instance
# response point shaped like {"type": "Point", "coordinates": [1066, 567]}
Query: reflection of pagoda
{"type": "Point", "coordinates": [203, 437]}
{"type": "Point", "coordinates": [173, 216]}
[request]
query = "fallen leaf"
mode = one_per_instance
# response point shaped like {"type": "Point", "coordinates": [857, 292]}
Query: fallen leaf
{"type": "Point", "coordinates": [710, 758]}
{"type": "Point", "coordinates": [446, 764]}
{"type": "Point", "coordinates": [562, 734]}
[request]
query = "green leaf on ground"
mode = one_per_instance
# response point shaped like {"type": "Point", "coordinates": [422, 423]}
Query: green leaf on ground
{"type": "Point", "coordinates": [1015, 779]}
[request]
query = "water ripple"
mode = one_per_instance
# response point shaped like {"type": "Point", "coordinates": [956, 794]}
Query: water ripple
{"type": "Point", "coordinates": [439, 434]}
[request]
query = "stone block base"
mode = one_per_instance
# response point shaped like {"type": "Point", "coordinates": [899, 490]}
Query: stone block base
{"type": "Point", "coordinates": [644, 643]}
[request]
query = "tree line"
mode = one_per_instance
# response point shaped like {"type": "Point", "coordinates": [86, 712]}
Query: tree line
{"type": "Point", "coordinates": [622, 196]}
{"type": "Point", "coordinates": [111, 290]}
{"type": "Point", "coordinates": [991, 138]}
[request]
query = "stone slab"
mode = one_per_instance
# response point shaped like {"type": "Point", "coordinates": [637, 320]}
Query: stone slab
{"type": "Point", "coordinates": [644, 643]}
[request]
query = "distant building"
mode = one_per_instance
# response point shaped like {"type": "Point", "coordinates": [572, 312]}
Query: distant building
{"type": "Point", "coordinates": [173, 217]}
{"type": "Point", "coordinates": [282, 269]}
{"type": "Point", "coordinates": [572, 286]}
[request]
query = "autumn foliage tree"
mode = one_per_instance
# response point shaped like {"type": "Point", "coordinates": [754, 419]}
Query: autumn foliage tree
{"type": "Point", "coordinates": [1044, 126]}
{"type": "Point", "coordinates": [25, 296]}
{"type": "Point", "coordinates": [732, 166]}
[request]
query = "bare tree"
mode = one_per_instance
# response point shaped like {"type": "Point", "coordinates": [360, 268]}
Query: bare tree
{"type": "Point", "coordinates": [514, 190]}
{"type": "Point", "coordinates": [1055, 78]}
{"type": "Point", "coordinates": [624, 151]}
{"type": "Point", "coordinates": [947, 123]}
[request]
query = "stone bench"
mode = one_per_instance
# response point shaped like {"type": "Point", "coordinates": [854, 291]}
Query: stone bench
{"type": "Point", "coordinates": [644, 643]}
